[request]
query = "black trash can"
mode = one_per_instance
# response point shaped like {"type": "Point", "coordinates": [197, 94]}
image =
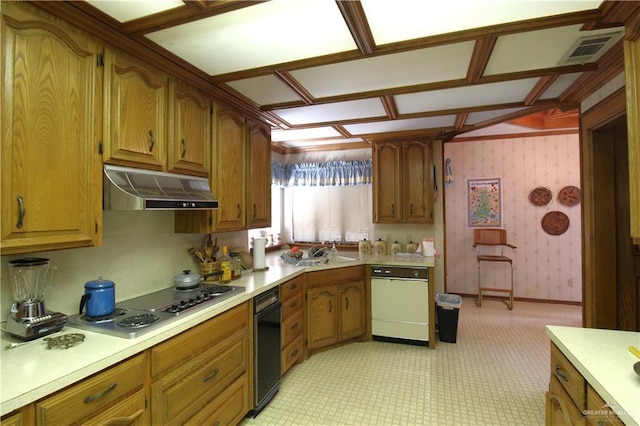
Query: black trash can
{"type": "Point", "coordinates": [448, 307]}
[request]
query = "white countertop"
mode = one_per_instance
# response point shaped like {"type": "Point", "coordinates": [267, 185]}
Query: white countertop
{"type": "Point", "coordinates": [603, 359]}
{"type": "Point", "coordinates": [31, 371]}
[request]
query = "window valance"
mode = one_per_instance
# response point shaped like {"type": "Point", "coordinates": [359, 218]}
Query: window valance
{"type": "Point", "coordinates": [333, 173]}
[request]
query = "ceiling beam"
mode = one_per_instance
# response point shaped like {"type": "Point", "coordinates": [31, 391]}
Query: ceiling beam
{"type": "Point", "coordinates": [538, 90]}
{"type": "Point", "coordinates": [356, 21]}
{"type": "Point", "coordinates": [294, 85]}
{"type": "Point", "coordinates": [461, 119]}
{"type": "Point", "coordinates": [480, 57]}
{"type": "Point", "coordinates": [390, 106]}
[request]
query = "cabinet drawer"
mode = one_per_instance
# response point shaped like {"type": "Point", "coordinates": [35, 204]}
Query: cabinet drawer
{"type": "Point", "coordinates": [290, 306]}
{"type": "Point", "coordinates": [335, 276]}
{"type": "Point", "coordinates": [227, 409]}
{"type": "Point", "coordinates": [291, 353]}
{"type": "Point", "coordinates": [291, 288]}
{"type": "Point", "coordinates": [130, 411]}
{"type": "Point", "coordinates": [291, 327]}
{"type": "Point", "coordinates": [92, 394]}
{"type": "Point", "coordinates": [184, 391]}
{"type": "Point", "coordinates": [568, 376]}
{"type": "Point", "coordinates": [598, 412]}
{"type": "Point", "coordinates": [190, 343]}
{"type": "Point", "coordinates": [560, 408]}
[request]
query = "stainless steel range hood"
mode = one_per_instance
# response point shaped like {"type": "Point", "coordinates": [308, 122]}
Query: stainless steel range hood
{"type": "Point", "coordinates": [134, 189]}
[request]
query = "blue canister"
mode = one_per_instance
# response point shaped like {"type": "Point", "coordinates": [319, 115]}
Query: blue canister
{"type": "Point", "coordinates": [99, 298]}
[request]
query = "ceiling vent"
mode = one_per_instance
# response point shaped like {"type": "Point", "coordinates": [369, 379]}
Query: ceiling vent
{"type": "Point", "coordinates": [590, 48]}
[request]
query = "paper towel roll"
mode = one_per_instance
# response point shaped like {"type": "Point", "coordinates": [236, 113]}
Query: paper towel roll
{"type": "Point", "coordinates": [258, 254]}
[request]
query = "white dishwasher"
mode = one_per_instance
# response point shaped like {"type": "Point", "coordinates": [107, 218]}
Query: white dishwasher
{"type": "Point", "coordinates": [400, 303]}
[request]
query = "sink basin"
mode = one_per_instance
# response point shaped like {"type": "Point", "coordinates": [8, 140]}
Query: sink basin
{"type": "Point", "coordinates": [339, 259]}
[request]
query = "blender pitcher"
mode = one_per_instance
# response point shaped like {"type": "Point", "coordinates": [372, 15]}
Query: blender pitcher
{"type": "Point", "coordinates": [31, 278]}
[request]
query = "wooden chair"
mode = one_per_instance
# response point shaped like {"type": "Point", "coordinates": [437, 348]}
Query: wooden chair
{"type": "Point", "coordinates": [495, 238]}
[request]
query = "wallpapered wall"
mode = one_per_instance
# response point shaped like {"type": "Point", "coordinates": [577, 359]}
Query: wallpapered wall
{"type": "Point", "coordinates": [546, 266]}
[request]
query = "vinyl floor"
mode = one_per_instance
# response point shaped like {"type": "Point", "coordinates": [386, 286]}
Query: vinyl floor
{"type": "Point", "coordinates": [496, 373]}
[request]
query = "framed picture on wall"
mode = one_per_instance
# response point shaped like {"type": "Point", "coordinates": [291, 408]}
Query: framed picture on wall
{"type": "Point", "coordinates": [484, 203]}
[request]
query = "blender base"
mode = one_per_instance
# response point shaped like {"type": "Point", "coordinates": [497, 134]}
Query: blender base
{"type": "Point", "coordinates": [36, 327]}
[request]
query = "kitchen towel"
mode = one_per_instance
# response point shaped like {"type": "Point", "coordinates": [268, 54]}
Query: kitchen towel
{"type": "Point", "coordinates": [258, 254]}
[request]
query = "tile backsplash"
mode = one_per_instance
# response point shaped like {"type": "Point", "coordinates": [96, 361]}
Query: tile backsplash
{"type": "Point", "coordinates": [140, 254]}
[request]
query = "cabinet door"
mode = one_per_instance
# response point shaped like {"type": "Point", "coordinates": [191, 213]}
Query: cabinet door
{"type": "Point", "coordinates": [259, 178]}
{"type": "Point", "coordinates": [631, 64]}
{"type": "Point", "coordinates": [230, 169]}
{"type": "Point", "coordinates": [51, 168]}
{"type": "Point", "coordinates": [560, 408]}
{"type": "Point", "coordinates": [352, 303]}
{"type": "Point", "coordinates": [189, 147]}
{"type": "Point", "coordinates": [322, 308]}
{"type": "Point", "coordinates": [386, 183]}
{"type": "Point", "coordinates": [135, 112]}
{"type": "Point", "coordinates": [417, 182]}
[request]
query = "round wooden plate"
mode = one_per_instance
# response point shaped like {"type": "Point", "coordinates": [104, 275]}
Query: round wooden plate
{"type": "Point", "coordinates": [569, 196]}
{"type": "Point", "coordinates": [555, 223]}
{"type": "Point", "coordinates": [540, 196]}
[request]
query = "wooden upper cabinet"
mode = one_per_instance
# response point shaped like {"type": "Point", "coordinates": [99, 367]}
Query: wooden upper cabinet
{"type": "Point", "coordinates": [402, 182]}
{"type": "Point", "coordinates": [135, 113]}
{"type": "Point", "coordinates": [259, 177]}
{"type": "Point", "coordinates": [417, 182]}
{"type": "Point", "coordinates": [229, 171]}
{"type": "Point", "coordinates": [386, 183]}
{"type": "Point", "coordinates": [189, 146]}
{"type": "Point", "coordinates": [51, 168]}
{"type": "Point", "coordinates": [631, 65]}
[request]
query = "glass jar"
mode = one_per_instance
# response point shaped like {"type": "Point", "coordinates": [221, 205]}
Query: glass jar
{"type": "Point", "coordinates": [236, 265]}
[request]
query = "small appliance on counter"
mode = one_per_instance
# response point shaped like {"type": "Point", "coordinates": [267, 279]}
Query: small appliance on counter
{"type": "Point", "coordinates": [31, 278]}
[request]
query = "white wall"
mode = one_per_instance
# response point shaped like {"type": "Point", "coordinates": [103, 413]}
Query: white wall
{"type": "Point", "coordinates": [547, 267]}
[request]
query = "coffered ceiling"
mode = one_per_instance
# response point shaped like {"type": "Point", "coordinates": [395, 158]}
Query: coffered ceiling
{"type": "Point", "coordinates": [340, 74]}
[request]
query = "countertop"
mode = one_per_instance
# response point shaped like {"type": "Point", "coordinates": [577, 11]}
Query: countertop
{"type": "Point", "coordinates": [31, 371]}
{"type": "Point", "coordinates": [603, 359]}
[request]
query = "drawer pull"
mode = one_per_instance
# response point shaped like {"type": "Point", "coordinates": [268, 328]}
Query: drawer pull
{"type": "Point", "coordinates": [205, 379]}
{"type": "Point", "coordinates": [99, 395]}
{"type": "Point", "coordinates": [560, 373]}
{"type": "Point", "coordinates": [293, 304]}
{"type": "Point", "coordinates": [152, 140]}
{"type": "Point", "coordinates": [293, 286]}
{"type": "Point", "coordinates": [294, 353]}
{"type": "Point", "coordinates": [294, 326]}
{"type": "Point", "coordinates": [183, 151]}
{"type": "Point", "coordinates": [122, 421]}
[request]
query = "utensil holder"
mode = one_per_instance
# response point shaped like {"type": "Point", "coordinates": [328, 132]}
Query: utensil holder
{"type": "Point", "coordinates": [209, 267]}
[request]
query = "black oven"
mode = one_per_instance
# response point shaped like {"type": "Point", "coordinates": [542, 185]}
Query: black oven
{"type": "Point", "coordinates": [267, 347]}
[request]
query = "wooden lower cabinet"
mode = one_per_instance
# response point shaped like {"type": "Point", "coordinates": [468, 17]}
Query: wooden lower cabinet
{"type": "Point", "coordinates": [116, 395]}
{"type": "Point", "coordinates": [292, 330]}
{"type": "Point", "coordinates": [203, 373]}
{"type": "Point", "coordinates": [335, 306]}
{"type": "Point", "coordinates": [571, 400]}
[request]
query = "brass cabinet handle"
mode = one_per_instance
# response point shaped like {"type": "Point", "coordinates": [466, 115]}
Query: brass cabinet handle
{"type": "Point", "coordinates": [294, 326]}
{"type": "Point", "coordinates": [411, 208]}
{"type": "Point", "coordinates": [346, 299]}
{"type": "Point", "coordinates": [293, 304]}
{"type": "Point", "coordinates": [184, 148]}
{"type": "Point", "coordinates": [294, 353]}
{"type": "Point", "coordinates": [293, 286]}
{"type": "Point", "coordinates": [560, 373]}
{"type": "Point", "coordinates": [99, 395]}
{"type": "Point", "coordinates": [239, 211]}
{"type": "Point", "coordinates": [330, 306]}
{"type": "Point", "coordinates": [255, 211]}
{"type": "Point", "coordinates": [205, 379]}
{"type": "Point", "coordinates": [116, 421]}
{"type": "Point", "coordinates": [393, 209]}
{"type": "Point", "coordinates": [20, 212]}
{"type": "Point", "coordinates": [152, 140]}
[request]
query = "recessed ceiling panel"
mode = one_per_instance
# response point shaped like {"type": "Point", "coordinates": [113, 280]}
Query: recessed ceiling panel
{"type": "Point", "coordinates": [401, 125]}
{"type": "Point", "coordinates": [124, 11]}
{"type": "Point", "coordinates": [303, 144]}
{"type": "Point", "coordinates": [534, 49]}
{"type": "Point", "coordinates": [421, 66]}
{"type": "Point", "coordinates": [302, 134]}
{"type": "Point", "coordinates": [265, 34]}
{"type": "Point", "coordinates": [482, 116]}
{"type": "Point", "coordinates": [561, 84]}
{"type": "Point", "coordinates": [408, 19]}
{"type": "Point", "coordinates": [465, 97]}
{"type": "Point", "coordinates": [339, 111]}
{"type": "Point", "coordinates": [264, 90]}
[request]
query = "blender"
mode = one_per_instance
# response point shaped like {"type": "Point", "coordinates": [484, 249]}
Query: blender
{"type": "Point", "coordinates": [28, 319]}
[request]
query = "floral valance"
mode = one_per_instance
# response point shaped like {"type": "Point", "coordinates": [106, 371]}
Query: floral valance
{"type": "Point", "coordinates": [333, 173]}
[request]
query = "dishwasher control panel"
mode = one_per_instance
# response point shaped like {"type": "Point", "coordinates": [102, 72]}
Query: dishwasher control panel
{"type": "Point", "coordinates": [400, 272]}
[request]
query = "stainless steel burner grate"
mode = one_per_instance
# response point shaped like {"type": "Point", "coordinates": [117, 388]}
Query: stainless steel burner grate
{"type": "Point", "coordinates": [140, 320]}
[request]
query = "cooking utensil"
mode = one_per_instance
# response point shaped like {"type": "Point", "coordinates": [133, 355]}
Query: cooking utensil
{"type": "Point", "coordinates": [188, 280]}
{"type": "Point", "coordinates": [192, 251]}
{"type": "Point", "coordinates": [634, 351]}
{"type": "Point", "coordinates": [636, 367]}
{"type": "Point", "coordinates": [99, 298]}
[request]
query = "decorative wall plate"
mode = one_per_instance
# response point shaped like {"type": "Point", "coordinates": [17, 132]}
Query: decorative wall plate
{"type": "Point", "coordinates": [555, 223]}
{"type": "Point", "coordinates": [540, 196]}
{"type": "Point", "coordinates": [569, 196]}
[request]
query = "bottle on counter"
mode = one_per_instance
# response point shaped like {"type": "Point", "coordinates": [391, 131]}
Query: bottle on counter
{"type": "Point", "coordinates": [333, 253]}
{"type": "Point", "coordinates": [236, 265]}
{"type": "Point", "coordinates": [225, 266]}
